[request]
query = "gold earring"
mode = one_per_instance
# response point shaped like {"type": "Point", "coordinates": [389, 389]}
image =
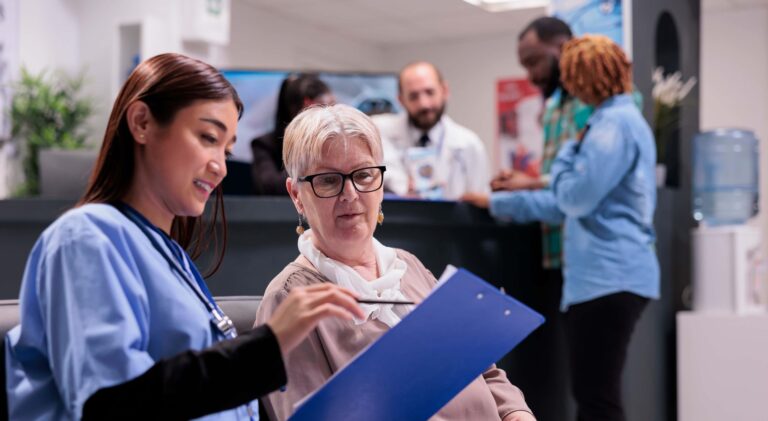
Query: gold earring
{"type": "Point", "coordinates": [300, 227]}
{"type": "Point", "coordinates": [380, 218]}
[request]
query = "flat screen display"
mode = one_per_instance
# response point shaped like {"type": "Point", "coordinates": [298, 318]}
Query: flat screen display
{"type": "Point", "coordinates": [372, 93]}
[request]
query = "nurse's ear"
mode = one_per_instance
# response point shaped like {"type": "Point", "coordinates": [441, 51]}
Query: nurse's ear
{"type": "Point", "coordinates": [139, 119]}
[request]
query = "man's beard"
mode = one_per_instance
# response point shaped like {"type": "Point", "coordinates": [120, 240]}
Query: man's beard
{"type": "Point", "coordinates": [550, 85]}
{"type": "Point", "coordinates": [423, 121]}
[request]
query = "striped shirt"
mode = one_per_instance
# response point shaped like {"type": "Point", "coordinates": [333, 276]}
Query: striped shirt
{"type": "Point", "coordinates": [564, 117]}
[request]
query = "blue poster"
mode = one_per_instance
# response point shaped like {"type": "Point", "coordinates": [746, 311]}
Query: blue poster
{"type": "Point", "coordinates": [604, 17]}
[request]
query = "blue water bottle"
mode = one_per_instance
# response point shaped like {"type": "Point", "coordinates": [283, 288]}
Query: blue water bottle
{"type": "Point", "coordinates": [725, 176]}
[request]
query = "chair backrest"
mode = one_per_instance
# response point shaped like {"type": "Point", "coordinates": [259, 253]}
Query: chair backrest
{"type": "Point", "coordinates": [9, 317]}
{"type": "Point", "coordinates": [241, 309]}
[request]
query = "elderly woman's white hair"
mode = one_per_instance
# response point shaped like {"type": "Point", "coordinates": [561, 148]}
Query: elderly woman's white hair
{"type": "Point", "coordinates": [308, 133]}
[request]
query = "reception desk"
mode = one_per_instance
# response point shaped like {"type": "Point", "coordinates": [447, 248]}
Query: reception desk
{"type": "Point", "coordinates": [262, 240]}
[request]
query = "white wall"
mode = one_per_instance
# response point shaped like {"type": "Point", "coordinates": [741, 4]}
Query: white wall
{"type": "Point", "coordinates": [99, 40]}
{"type": "Point", "coordinates": [734, 78]}
{"type": "Point", "coordinates": [49, 35]}
{"type": "Point", "coordinates": [84, 35]}
{"type": "Point", "coordinates": [47, 39]}
{"type": "Point", "coordinates": [76, 34]}
{"type": "Point", "coordinates": [259, 39]}
{"type": "Point", "coordinates": [262, 39]}
{"type": "Point", "coordinates": [471, 67]}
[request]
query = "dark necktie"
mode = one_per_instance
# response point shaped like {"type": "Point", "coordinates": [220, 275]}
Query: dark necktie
{"type": "Point", "coordinates": [423, 140]}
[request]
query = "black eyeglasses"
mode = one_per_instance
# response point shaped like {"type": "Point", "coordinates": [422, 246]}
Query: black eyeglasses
{"type": "Point", "coordinates": [331, 184]}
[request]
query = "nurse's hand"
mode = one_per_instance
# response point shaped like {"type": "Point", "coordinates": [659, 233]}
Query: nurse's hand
{"type": "Point", "coordinates": [520, 416]}
{"type": "Point", "coordinates": [304, 307]}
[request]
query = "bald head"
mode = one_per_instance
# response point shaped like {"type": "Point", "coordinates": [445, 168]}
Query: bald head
{"type": "Point", "coordinates": [423, 93]}
{"type": "Point", "coordinates": [418, 67]}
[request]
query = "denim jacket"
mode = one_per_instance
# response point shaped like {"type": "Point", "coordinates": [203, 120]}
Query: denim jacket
{"type": "Point", "coordinates": [603, 188]}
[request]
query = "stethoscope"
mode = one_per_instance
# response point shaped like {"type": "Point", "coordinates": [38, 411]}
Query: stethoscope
{"type": "Point", "coordinates": [223, 323]}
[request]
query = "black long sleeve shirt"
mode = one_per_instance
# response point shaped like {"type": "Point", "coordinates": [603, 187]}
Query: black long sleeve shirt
{"type": "Point", "coordinates": [196, 383]}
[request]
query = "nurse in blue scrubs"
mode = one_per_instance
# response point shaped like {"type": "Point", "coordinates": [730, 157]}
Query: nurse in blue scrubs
{"type": "Point", "coordinates": [116, 320]}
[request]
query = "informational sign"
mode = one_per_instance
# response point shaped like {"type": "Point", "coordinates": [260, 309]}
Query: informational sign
{"type": "Point", "coordinates": [206, 21]}
{"type": "Point", "coordinates": [520, 138]}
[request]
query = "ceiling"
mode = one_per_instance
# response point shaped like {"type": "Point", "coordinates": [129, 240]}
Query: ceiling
{"type": "Point", "coordinates": [731, 4]}
{"type": "Point", "coordinates": [388, 23]}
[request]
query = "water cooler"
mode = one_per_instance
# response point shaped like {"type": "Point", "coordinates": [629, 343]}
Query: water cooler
{"type": "Point", "coordinates": [729, 268]}
{"type": "Point", "coordinates": [729, 271]}
{"type": "Point", "coordinates": [722, 368]}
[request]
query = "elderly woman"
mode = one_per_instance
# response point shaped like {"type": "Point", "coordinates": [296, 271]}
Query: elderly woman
{"type": "Point", "coordinates": [333, 157]}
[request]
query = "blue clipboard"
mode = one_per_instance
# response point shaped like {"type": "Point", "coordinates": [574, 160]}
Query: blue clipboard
{"type": "Point", "coordinates": [414, 369]}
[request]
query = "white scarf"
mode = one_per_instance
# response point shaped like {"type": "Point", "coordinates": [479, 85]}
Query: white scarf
{"type": "Point", "coordinates": [386, 287]}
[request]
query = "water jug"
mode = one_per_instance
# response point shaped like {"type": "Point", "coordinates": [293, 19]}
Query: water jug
{"type": "Point", "coordinates": [725, 176]}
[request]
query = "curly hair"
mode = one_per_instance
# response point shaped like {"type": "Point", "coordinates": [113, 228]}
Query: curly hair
{"type": "Point", "coordinates": [594, 68]}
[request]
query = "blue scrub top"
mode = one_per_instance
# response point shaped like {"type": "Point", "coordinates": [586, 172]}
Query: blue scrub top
{"type": "Point", "coordinates": [99, 306]}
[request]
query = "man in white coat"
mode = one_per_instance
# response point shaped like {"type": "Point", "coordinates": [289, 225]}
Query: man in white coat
{"type": "Point", "coordinates": [427, 154]}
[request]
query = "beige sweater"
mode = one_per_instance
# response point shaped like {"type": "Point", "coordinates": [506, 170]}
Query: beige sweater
{"type": "Point", "coordinates": [335, 342]}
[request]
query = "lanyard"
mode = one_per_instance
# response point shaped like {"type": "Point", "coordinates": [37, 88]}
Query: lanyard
{"type": "Point", "coordinates": [218, 318]}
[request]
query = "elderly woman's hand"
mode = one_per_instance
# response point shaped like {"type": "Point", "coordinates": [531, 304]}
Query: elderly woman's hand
{"type": "Point", "coordinates": [519, 416]}
{"type": "Point", "coordinates": [304, 307]}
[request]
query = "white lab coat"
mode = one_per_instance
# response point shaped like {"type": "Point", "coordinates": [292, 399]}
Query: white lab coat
{"type": "Point", "coordinates": [462, 160]}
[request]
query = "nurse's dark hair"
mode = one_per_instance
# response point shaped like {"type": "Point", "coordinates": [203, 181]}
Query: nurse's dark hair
{"type": "Point", "coordinates": [166, 83]}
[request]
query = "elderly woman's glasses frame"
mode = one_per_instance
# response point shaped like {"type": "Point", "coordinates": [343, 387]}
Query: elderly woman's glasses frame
{"type": "Point", "coordinates": [331, 184]}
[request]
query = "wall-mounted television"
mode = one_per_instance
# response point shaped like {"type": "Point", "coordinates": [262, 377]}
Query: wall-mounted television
{"type": "Point", "coordinates": [372, 93]}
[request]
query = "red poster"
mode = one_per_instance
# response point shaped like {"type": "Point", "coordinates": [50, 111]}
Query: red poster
{"type": "Point", "coordinates": [519, 138]}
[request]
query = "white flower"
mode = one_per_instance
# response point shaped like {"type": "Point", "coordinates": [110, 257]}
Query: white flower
{"type": "Point", "coordinates": [670, 90]}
